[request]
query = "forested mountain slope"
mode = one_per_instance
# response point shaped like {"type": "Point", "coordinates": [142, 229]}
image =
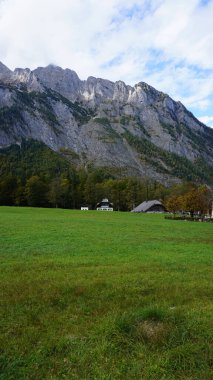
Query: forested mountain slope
{"type": "Point", "coordinates": [132, 130]}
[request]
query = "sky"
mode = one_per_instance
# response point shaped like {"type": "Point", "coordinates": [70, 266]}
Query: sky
{"type": "Point", "coordinates": [165, 43]}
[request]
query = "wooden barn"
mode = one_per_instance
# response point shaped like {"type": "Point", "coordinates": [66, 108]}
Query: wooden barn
{"type": "Point", "coordinates": [150, 206]}
{"type": "Point", "coordinates": [104, 205]}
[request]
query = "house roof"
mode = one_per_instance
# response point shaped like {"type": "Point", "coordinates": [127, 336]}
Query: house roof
{"type": "Point", "coordinates": [104, 201]}
{"type": "Point", "coordinates": [145, 206]}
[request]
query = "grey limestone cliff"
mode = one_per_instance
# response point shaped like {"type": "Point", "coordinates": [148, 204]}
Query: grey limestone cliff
{"type": "Point", "coordinates": [135, 129]}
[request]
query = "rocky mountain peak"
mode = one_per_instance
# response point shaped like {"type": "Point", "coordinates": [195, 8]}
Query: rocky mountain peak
{"type": "Point", "coordinates": [66, 82]}
{"type": "Point", "coordinates": [28, 78]}
{"type": "Point", "coordinates": [4, 69]}
{"type": "Point", "coordinates": [103, 122]}
{"type": "Point", "coordinates": [5, 73]}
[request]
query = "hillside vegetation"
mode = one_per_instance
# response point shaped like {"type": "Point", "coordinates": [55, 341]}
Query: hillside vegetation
{"type": "Point", "coordinates": [136, 130]}
{"type": "Point", "coordinates": [89, 295]}
{"type": "Point", "coordinates": [34, 175]}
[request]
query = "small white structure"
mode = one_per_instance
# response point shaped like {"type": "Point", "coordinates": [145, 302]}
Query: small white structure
{"type": "Point", "coordinates": [84, 208]}
{"type": "Point", "coordinates": [104, 205]}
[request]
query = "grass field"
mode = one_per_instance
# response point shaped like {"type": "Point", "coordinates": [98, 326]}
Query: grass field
{"type": "Point", "coordinates": [94, 295]}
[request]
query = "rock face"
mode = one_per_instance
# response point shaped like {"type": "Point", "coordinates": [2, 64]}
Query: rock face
{"type": "Point", "coordinates": [137, 130]}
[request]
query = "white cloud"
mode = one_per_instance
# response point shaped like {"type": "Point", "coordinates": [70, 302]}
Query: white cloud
{"type": "Point", "coordinates": [183, 83]}
{"type": "Point", "coordinates": [165, 43]}
{"type": "Point", "coordinates": [208, 120]}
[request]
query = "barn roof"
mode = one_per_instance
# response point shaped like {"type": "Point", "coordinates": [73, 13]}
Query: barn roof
{"type": "Point", "coordinates": [145, 206]}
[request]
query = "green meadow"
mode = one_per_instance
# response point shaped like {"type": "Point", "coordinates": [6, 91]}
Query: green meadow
{"type": "Point", "coordinates": [97, 295]}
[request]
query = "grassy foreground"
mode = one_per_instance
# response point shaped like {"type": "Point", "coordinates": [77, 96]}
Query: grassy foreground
{"type": "Point", "coordinates": [88, 295]}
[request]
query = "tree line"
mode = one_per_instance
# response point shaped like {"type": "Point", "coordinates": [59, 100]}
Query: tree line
{"type": "Point", "coordinates": [78, 188]}
{"type": "Point", "coordinates": [194, 200]}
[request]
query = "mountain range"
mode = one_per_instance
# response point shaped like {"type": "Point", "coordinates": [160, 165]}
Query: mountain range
{"type": "Point", "coordinates": [135, 130]}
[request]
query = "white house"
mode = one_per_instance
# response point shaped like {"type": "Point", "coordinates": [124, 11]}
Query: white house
{"type": "Point", "coordinates": [104, 205]}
